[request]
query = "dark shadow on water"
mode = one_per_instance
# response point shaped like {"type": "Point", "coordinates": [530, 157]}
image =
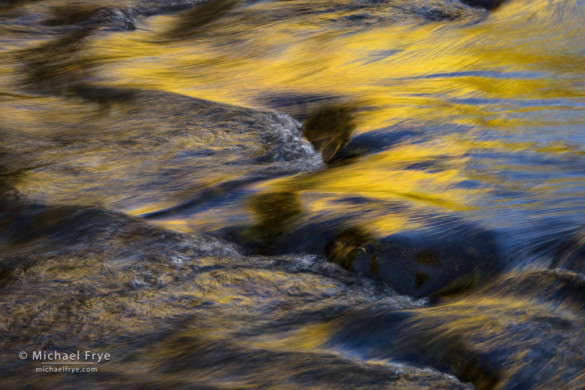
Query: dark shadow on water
{"type": "Point", "coordinates": [103, 95]}
{"type": "Point", "coordinates": [10, 174]}
{"type": "Point", "coordinates": [275, 213]}
{"type": "Point", "coordinates": [8, 5]}
{"type": "Point", "coordinates": [297, 105]}
{"type": "Point", "coordinates": [374, 142]}
{"type": "Point", "coordinates": [192, 21]}
{"type": "Point", "coordinates": [58, 67]}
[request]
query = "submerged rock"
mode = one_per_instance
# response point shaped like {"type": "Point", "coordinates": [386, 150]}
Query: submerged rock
{"type": "Point", "coordinates": [449, 256]}
{"type": "Point", "coordinates": [558, 288]}
{"type": "Point", "coordinates": [108, 17]}
{"type": "Point", "coordinates": [146, 148]}
{"type": "Point", "coordinates": [329, 128]}
{"type": "Point", "coordinates": [520, 333]}
{"type": "Point", "coordinates": [173, 310]}
{"type": "Point", "coordinates": [347, 14]}
{"type": "Point", "coordinates": [181, 310]}
{"type": "Point", "coordinates": [487, 4]}
{"type": "Point", "coordinates": [275, 214]}
{"type": "Point", "coordinates": [153, 7]}
{"type": "Point", "coordinates": [124, 14]}
{"type": "Point", "coordinates": [282, 227]}
{"type": "Point", "coordinates": [431, 262]}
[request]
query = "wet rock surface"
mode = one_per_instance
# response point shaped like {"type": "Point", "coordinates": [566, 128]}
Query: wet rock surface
{"type": "Point", "coordinates": [487, 4]}
{"type": "Point", "coordinates": [194, 20]}
{"type": "Point", "coordinates": [152, 7]}
{"type": "Point", "coordinates": [327, 13]}
{"type": "Point", "coordinates": [431, 262]}
{"type": "Point", "coordinates": [280, 227]}
{"type": "Point", "coordinates": [329, 128]}
{"type": "Point", "coordinates": [110, 284]}
{"type": "Point", "coordinates": [357, 12]}
{"type": "Point", "coordinates": [109, 18]}
{"type": "Point", "coordinates": [125, 156]}
{"type": "Point", "coordinates": [524, 342]}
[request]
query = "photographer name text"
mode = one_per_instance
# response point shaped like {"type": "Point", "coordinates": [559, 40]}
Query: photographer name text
{"type": "Point", "coordinates": [77, 356]}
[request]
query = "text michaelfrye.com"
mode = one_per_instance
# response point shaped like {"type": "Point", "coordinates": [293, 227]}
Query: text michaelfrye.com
{"type": "Point", "coordinates": [66, 362]}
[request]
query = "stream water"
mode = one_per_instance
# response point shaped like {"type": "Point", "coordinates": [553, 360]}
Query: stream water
{"type": "Point", "coordinates": [293, 194]}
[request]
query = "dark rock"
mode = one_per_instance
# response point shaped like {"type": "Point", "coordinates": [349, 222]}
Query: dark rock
{"type": "Point", "coordinates": [329, 128]}
{"type": "Point", "coordinates": [13, 3]}
{"type": "Point", "coordinates": [100, 15]}
{"type": "Point", "coordinates": [363, 13]}
{"type": "Point", "coordinates": [361, 16]}
{"type": "Point", "coordinates": [384, 333]}
{"type": "Point", "coordinates": [289, 235]}
{"type": "Point", "coordinates": [296, 229]}
{"type": "Point", "coordinates": [299, 229]}
{"type": "Point", "coordinates": [109, 18]}
{"type": "Point", "coordinates": [509, 336]}
{"type": "Point", "coordinates": [274, 213]}
{"type": "Point", "coordinates": [155, 7]}
{"type": "Point", "coordinates": [8, 176]}
{"type": "Point", "coordinates": [299, 369]}
{"type": "Point", "coordinates": [73, 277]}
{"type": "Point", "coordinates": [433, 262]}
{"type": "Point", "coordinates": [106, 97]}
{"type": "Point", "coordinates": [32, 234]}
{"type": "Point", "coordinates": [487, 4]}
{"type": "Point", "coordinates": [151, 148]}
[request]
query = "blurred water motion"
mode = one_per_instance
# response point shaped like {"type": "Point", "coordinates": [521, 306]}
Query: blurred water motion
{"type": "Point", "coordinates": [153, 206]}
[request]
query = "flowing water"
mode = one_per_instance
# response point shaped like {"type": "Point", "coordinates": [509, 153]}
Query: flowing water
{"type": "Point", "coordinates": [293, 194]}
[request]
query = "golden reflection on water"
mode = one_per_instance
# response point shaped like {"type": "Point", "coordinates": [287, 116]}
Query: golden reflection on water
{"type": "Point", "coordinates": [495, 84]}
{"type": "Point", "coordinates": [399, 68]}
{"type": "Point", "coordinates": [480, 84]}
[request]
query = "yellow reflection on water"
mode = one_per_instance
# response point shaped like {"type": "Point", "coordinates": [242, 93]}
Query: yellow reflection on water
{"type": "Point", "coordinates": [477, 73]}
{"type": "Point", "coordinates": [514, 71]}
{"type": "Point", "coordinates": [386, 175]}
